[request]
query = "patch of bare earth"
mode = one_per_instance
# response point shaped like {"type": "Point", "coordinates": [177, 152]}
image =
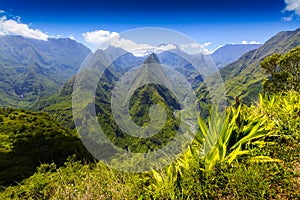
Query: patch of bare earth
{"type": "Point", "coordinates": [296, 179]}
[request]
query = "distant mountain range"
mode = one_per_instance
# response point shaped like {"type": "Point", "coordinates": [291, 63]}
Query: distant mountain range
{"type": "Point", "coordinates": [60, 105]}
{"type": "Point", "coordinates": [31, 69]}
{"type": "Point", "coordinates": [231, 52]}
{"type": "Point", "coordinates": [34, 70]}
{"type": "Point", "coordinates": [40, 75]}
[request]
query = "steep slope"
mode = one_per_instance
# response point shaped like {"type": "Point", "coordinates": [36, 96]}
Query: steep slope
{"type": "Point", "coordinates": [60, 107]}
{"type": "Point", "coordinates": [231, 52]}
{"type": "Point", "coordinates": [244, 77]}
{"type": "Point", "coordinates": [28, 139]}
{"type": "Point", "coordinates": [175, 60]}
{"type": "Point", "coordinates": [139, 108]}
{"type": "Point", "coordinates": [31, 68]}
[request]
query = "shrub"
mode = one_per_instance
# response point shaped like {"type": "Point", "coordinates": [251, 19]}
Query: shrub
{"type": "Point", "coordinates": [283, 71]}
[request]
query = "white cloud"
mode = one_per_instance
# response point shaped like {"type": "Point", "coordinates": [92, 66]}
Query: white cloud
{"type": "Point", "coordinates": [129, 45]}
{"type": "Point", "coordinates": [13, 27]}
{"type": "Point", "coordinates": [57, 36]}
{"type": "Point", "coordinates": [99, 36]}
{"type": "Point", "coordinates": [195, 48]}
{"type": "Point", "coordinates": [103, 38]}
{"type": "Point", "coordinates": [166, 47]}
{"type": "Point", "coordinates": [287, 19]}
{"type": "Point", "coordinates": [220, 46]}
{"type": "Point", "coordinates": [254, 42]}
{"type": "Point", "coordinates": [251, 42]}
{"type": "Point", "coordinates": [72, 37]}
{"type": "Point", "coordinates": [292, 6]}
{"type": "Point", "coordinates": [17, 19]}
{"type": "Point", "coordinates": [2, 11]}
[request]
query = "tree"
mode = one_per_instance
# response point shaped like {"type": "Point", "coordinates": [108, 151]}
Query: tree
{"type": "Point", "coordinates": [283, 71]}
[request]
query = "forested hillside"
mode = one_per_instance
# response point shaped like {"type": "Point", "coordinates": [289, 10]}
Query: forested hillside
{"type": "Point", "coordinates": [251, 153]}
{"type": "Point", "coordinates": [32, 69]}
{"type": "Point", "coordinates": [28, 139]}
{"type": "Point", "coordinates": [256, 156]}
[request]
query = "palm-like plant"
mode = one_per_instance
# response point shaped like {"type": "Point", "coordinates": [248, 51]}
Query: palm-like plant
{"type": "Point", "coordinates": [225, 140]}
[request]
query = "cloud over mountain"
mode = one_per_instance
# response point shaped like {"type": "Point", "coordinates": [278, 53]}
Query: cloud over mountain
{"type": "Point", "coordinates": [105, 38]}
{"type": "Point", "coordinates": [195, 48]}
{"type": "Point", "coordinates": [15, 27]}
{"type": "Point", "coordinates": [250, 42]}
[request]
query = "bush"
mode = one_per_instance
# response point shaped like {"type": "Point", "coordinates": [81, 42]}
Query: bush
{"type": "Point", "coordinates": [283, 71]}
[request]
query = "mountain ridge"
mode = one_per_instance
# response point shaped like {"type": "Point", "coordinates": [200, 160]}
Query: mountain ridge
{"type": "Point", "coordinates": [231, 52]}
{"type": "Point", "coordinates": [243, 78]}
{"type": "Point", "coordinates": [34, 68]}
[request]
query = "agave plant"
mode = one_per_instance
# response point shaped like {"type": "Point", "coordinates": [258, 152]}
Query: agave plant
{"type": "Point", "coordinates": [223, 138]}
{"type": "Point", "coordinates": [239, 129]}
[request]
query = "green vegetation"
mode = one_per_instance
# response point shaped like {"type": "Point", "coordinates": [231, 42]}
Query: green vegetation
{"type": "Point", "coordinates": [252, 154]}
{"type": "Point", "coordinates": [244, 77]}
{"type": "Point", "coordinates": [59, 105]}
{"type": "Point", "coordinates": [284, 71]}
{"type": "Point", "coordinates": [139, 105]}
{"type": "Point", "coordinates": [33, 69]}
{"type": "Point", "coordinates": [256, 157]}
{"type": "Point", "coordinates": [28, 139]}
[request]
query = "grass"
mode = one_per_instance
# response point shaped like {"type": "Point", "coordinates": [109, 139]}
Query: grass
{"type": "Point", "coordinates": [28, 139]}
{"type": "Point", "coordinates": [256, 157]}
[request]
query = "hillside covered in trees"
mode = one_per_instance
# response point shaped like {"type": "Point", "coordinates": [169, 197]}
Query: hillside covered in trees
{"type": "Point", "coordinates": [256, 155]}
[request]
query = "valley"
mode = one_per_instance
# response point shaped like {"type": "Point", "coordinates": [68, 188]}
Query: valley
{"type": "Point", "coordinates": [250, 149]}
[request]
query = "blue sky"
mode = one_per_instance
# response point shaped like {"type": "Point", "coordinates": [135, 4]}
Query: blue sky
{"type": "Point", "coordinates": [217, 22]}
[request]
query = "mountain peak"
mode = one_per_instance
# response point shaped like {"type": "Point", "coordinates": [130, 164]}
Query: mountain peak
{"type": "Point", "coordinates": [152, 58]}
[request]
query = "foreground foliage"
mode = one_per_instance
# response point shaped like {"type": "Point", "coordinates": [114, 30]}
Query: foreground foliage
{"type": "Point", "coordinates": [283, 71]}
{"type": "Point", "coordinates": [256, 157]}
